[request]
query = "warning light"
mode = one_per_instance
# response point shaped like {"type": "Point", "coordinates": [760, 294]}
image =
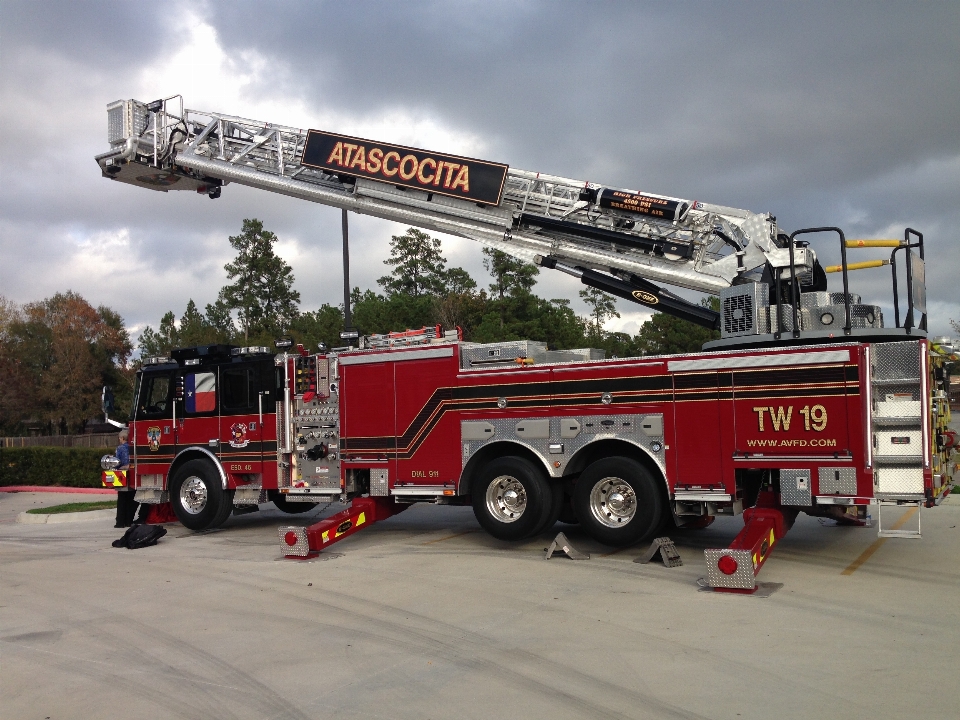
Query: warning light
{"type": "Point", "coordinates": [291, 539]}
{"type": "Point", "coordinates": [727, 565]}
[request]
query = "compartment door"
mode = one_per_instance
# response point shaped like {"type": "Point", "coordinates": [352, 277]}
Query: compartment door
{"type": "Point", "coordinates": [697, 430]}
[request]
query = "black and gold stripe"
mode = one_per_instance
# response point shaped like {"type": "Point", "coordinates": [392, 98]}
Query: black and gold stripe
{"type": "Point", "coordinates": [575, 394]}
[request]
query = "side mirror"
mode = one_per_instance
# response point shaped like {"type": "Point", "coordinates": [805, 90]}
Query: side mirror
{"type": "Point", "coordinates": [107, 400]}
{"type": "Point", "coordinates": [107, 403]}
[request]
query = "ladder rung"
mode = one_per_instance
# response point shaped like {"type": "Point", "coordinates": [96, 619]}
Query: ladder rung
{"type": "Point", "coordinates": [873, 243]}
{"type": "Point", "coordinates": [865, 265]}
{"type": "Point", "coordinates": [914, 534]}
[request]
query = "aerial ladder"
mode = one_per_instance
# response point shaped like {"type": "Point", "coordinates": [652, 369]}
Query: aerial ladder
{"type": "Point", "coordinates": [620, 241]}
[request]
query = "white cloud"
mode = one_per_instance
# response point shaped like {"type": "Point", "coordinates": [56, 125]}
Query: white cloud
{"type": "Point", "coordinates": [244, 85]}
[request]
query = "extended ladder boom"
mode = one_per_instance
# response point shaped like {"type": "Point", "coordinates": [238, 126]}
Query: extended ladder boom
{"type": "Point", "coordinates": [621, 235]}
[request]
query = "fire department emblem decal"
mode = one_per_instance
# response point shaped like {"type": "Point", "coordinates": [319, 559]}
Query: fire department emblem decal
{"type": "Point", "coordinates": [238, 435]}
{"type": "Point", "coordinates": [153, 438]}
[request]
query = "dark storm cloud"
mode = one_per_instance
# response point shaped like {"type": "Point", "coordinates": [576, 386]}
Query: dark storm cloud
{"type": "Point", "coordinates": [823, 114]}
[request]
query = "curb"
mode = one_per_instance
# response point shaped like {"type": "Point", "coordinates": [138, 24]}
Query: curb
{"type": "Point", "coordinates": [88, 516]}
{"type": "Point", "coordinates": [54, 489]}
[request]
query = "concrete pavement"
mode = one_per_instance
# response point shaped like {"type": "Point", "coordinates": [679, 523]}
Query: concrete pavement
{"type": "Point", "coordinates": [425, 616]}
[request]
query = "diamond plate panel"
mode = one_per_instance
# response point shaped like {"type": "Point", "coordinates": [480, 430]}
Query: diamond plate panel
{"type": "Point", "coordinates": [742, 579]}
{"type": "Point", "coordinates": [833, 317]}
{"type": "Point", "coordinates": [379, 483]}
{"type": "Point", "coordinates": [300, 547]}
{"type": "Point", "coordinates": [152, 496]}
{"type": "Point", "coordinates": [898, 480]}
{"type": "Point", "coordinates": [896, 361]}
{"type": "Point", "coordinates": [907, 410]}
{"type": "Point", "coordinates": [591, 429]}
{"type": "Point", "coordinates": [837, 480]}
{"type": "Point", "coordinates": [795, 488]}
{"type": "Point", "coordinates": [821, 299]}
{"type": "Point", "coordinates": [477, 355]}
{"type": "Point", "coordinates": [249, 496]}
{"type": "Point", "coordinates": [151, 480]}
{"type": "Point", "coordinates": [899, 442]}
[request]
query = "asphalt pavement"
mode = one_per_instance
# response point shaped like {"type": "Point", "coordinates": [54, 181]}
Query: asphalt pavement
{"type": "Point", "coordinates": [425, 616]}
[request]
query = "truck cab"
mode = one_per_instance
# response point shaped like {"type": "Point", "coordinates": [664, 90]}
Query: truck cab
{"type": "Point", "coordinates": [203, 422]}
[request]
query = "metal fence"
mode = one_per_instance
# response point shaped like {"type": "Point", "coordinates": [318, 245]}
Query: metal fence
{"type": "Point", "coordinates": [96, 440]}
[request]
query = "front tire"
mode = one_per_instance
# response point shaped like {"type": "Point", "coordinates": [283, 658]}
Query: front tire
{"type": "Point", "coordinates": [511, 498]}
{"type": "Point", "coordinates": [618, 502]}
{"type": "Point", "coordinates": [198, 498]}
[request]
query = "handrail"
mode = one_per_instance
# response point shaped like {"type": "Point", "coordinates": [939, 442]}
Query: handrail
{"type": "Point", "coordinates": [794, 292]}
{"type": "Point", "coordinates": [908, 321]}
{"type": "Point", "coordinates": [847, 328]}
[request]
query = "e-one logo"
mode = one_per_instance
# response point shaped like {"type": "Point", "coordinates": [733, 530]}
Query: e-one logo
{"type": "Point", "coordinates": [645, 297]}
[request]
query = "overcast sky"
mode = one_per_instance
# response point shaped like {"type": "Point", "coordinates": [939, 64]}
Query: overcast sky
{"type": "Point", "coordinates": [843, 114]}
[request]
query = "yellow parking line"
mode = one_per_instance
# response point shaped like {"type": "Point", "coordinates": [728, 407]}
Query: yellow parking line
{"type": "Point", "coordinates": [448, 537]}
{"type": "Point", "coordinates": [866, 554]}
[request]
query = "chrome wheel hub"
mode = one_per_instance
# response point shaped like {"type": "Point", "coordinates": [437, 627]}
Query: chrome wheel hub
{"type": "Point", "coordinates": [506, 499]}
{"type": "Point", "coordinates": [613, 502]}
{"type": "Point", "coordinates": [193, 495]}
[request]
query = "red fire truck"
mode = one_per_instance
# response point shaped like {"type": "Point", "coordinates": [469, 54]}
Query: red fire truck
{"type": "Point", "coordinates": [807, 403]}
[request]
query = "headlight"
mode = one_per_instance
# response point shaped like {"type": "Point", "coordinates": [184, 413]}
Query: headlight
{"type": "Point", "coordinates": [109, 462]}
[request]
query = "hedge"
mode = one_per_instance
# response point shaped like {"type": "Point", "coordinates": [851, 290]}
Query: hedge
{"type": "Point", "coordinates": [70, 467]}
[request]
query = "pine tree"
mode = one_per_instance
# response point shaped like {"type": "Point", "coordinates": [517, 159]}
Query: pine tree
{"type": "Point", "coordinates": [262, 292]}
{"type": "Point", "coordinates": [510, 275]}
{"type": "Point", "coordinates": [419, 267]}
{"type": "Point", "coordinates": [511, 278]}
{"type": "Point", "coordinates": [602, 308]}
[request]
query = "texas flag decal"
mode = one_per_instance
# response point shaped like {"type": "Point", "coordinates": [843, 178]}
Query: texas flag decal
{"type": "Point", "coordinates": [200, 392]}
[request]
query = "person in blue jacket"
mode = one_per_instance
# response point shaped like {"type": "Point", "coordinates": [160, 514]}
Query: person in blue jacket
{"type": "Point", "coordinates": [126, 497]}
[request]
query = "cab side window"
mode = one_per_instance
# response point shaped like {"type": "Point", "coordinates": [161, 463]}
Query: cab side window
{"type": "Point", "coordinates": [239, 387]}
{"type": "Point", "coordinates": [154, 397]}
{"type": "Point", "coordinates": [200, 393]}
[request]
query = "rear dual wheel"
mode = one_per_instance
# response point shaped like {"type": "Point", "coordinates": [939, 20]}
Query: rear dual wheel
{"type": "Point", "coordinates": [512, 499]}
{"type": "Point", "coordinates": [618, 502]}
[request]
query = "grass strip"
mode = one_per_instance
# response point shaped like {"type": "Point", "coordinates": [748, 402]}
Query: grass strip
{"type": "Point", "coordinates": [73, 507]}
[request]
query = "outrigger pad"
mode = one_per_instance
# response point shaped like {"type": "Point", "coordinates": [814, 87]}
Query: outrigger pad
{"type": "Point", "coordinates": [560, 542]}
{"type": "Point", "coordinates": [668, 553]}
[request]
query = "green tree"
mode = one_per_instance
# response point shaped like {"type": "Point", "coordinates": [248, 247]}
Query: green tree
{"type": "Point", "coordinates": [602, 308]}
{"type": "Point", "coordinates": [457, 281]}
{"type": "Point", "coordinates": [666, 335]}
{"type": "Point", "coordinates": [320, 326]}
{"type": "Point", "coordinates": [220, 321]}
{"type": "Point", "coordinates": [262, 289]}
{"type": "Point", "coordinates": [511, 278]}
{"type": "Point", "coordinates": [158, 343]}
{"type": "Point", "coordinates": [419, 267]}
{"type": "Point", "coordinates": [510, 275]}
{"type": "Point", "coordinates": [373, 313]}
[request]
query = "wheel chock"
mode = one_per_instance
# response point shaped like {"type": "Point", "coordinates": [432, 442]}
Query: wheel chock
{"type": "Point", "coordinates": [667, 550]}
{"type": "Point", "coordinates": [560, 542]}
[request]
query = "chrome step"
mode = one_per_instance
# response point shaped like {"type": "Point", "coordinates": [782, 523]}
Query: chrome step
{"type": "Point", "coordinates": [896, 531]}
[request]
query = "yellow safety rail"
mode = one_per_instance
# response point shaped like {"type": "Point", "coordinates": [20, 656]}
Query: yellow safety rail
{"type": "Point", "coordinates": [873, 243]}
{"type": "Point", "coordinates": [857, 265]}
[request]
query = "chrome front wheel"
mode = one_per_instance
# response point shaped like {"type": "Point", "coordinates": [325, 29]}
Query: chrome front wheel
{"type": "Point", "coordinates": [193, 495]}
